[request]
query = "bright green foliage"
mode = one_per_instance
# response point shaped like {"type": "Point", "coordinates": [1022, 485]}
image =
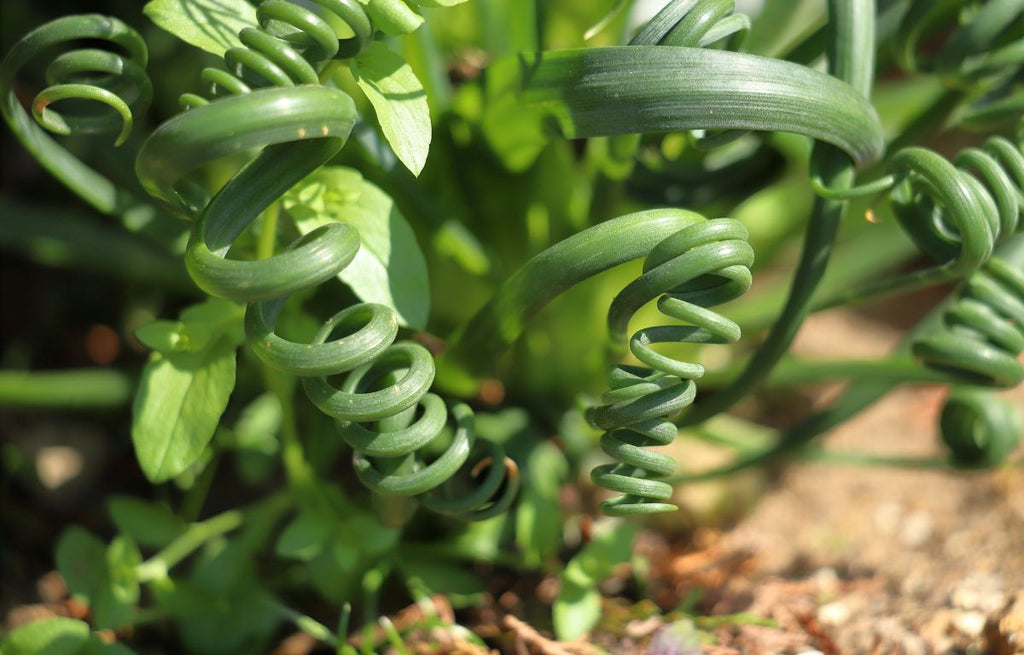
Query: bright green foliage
{"type": "Point", "coordinates": [211, 25]}
{"type": "Point", "coordinates": [103, 577]}
{"type": "Point", "coordinates": [148, 524]}
{"type": "Point", "coordinates": [399, 100]}
{"type": "Point", "coordinates": [57, 636]}
{"type": "Point", "coordinates": [578, 606]}
{"type": "Point", "coordinates": [389, 268]}
{"type": "Point", "coordinates": [536, 300]}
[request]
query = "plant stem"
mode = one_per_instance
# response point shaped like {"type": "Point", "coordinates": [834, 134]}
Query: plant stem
{"type": "Point", "coordinates": [790, 372]}
{"type": "Point", "coordinates": [194, 500]}
{"type": "Point", "coordinates": [300, 474]}
{"type": "Point", "coordinates": [89, 388]}
{"type": "Point", "coordinates": [195, 536]}
{"type": "Point", "coordinates": [307, 624]}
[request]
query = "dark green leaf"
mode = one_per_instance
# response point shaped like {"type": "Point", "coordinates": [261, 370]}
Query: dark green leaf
{"type": "Point", "coordinates": [399, 100]}
{"type": "Point", "coordinates": [149, 524]}
{"type": "Point", "coordinates": [539, 518]}
{"type": "Point", "coordinates": [177, 408]}
{"type": "Point", "coordinates": [212, 25]}
{"type": "Point", "coordinates": [81, 560]}
{"type": "Point", "coordinates": [431, 576]}
{"type": "Point", "coordinates": [305, 536]}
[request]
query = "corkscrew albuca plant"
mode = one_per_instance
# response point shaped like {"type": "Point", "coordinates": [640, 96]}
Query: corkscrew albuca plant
{"type": "Point", "coordinates": [301, 162]}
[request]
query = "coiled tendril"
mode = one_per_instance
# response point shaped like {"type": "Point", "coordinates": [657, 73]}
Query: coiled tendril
{"type": "Point", "coordinates": [270, 100]}
{"type": "Point", "coordinates": [98, 91]}
{"type": "Point", "coordinates": [697, 267]}
{"type": "Point", "coordinates": [982, 54]}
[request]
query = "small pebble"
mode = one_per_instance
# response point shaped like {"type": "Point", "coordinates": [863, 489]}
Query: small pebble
{"type": "Point", "coordinates": [917, 530]}
{"type": "Point", "coordinates": [834, 614]}
{"type": "Point", "coordinates": [971, 624]}
{"type": "Point", "coordinates": [981, 592]}
{"type": "Point", "coordinates": [888, 517]}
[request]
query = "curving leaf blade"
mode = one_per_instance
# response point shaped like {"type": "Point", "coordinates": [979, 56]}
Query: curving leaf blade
{"type": "Point", "coordinates": [399, 100]}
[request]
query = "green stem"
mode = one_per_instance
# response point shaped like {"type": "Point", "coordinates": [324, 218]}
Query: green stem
{"type": "Point", "coordinates": [867, 459]}
{"type": "Point", "coordinates": [792, 371]}
{"type": "Point", "coordinates": [851, 28]}
{"type": "Point", "coordinates": [197, 534]}
{"type": "Point", "coordinates": [192, 506]}
{"type": "Point", "coordinates": [89, 388]}
{"type": "Point", "coordinates": [300, 474]}
{"type": "Point", "coordinates": [307, 624]}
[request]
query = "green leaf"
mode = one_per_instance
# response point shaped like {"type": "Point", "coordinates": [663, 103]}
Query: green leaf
{"type": "Point", "coordinates": [103, 577]}
{"type": "Point", "coordinates": [81, 560]}
{"type": "Point", "coordinates": [390, 268]}
{"type": "Point", "coordinates": [258, 425]}
{"type": "Point", "coordinates": [117, 596]}
{"type": "Point", "coordinates": [304, 537]}
{"type": "Point", "coordinates": [197, 327]}
{"type": "Point", "coordinates": [578, 606]}
{"type": "Point", "coordinates": [235, 620]}
{"type": "Point", "coordinates": [212, 25]}
{"type": "Point", "coordinates": [431, 576]}
{"type": "Point", "coordinates": [576, 611]}
{"type": "Point", "coordinates": [149, 524]}
{"type": "Point", "coordinates": [538, 521]}
{"type": "Point", "coordinates": [177, 408]}
{"type": "Point", "coordinates": [399, 101]}
{"type": "Point", "coordinates": [57, 636]}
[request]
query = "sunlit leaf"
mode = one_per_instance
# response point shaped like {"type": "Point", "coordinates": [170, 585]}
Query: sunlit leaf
{"type": "Point", "coordinates": [211, 25]}
{"type": "Point", "coordinates": [177, 408]}
{"type": "Point", "coordinates": [399, 100]}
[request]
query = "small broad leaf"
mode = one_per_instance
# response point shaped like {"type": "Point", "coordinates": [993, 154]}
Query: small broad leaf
{"type": "Point", "coordinates": [578, 606]}
{"type": "Point", "coordinates": [212, 25]}
{"type": "Point", "coordinates": [430, 576]}
{"type": "Point", "coordinates": [538, 521]}
{"type": "Point", "coordinates": [117, 597]}
{"type": "Point", "coordinates": [399, 101]}
{"type": "Point", "coordinates": [57, 636]}
{"type": "Point", "coordinates": [305, 536]}
{"type": "Point", "coordinates": [390, 268]}
{"type": "Point", "coordinates": [198, 326]}
{"type": "Point", "coordinates": [147, 523]}
{"type": "Point", "coordinates": [258, 424]}
{"type": "Point", "coordinates": [103, 577]}
{"type": "Point", "coordinates": [576, 611]}
{"type": "Point", "coordinates": [178, 406]}
{"type": "Point", "coordinates": [81, 560]}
